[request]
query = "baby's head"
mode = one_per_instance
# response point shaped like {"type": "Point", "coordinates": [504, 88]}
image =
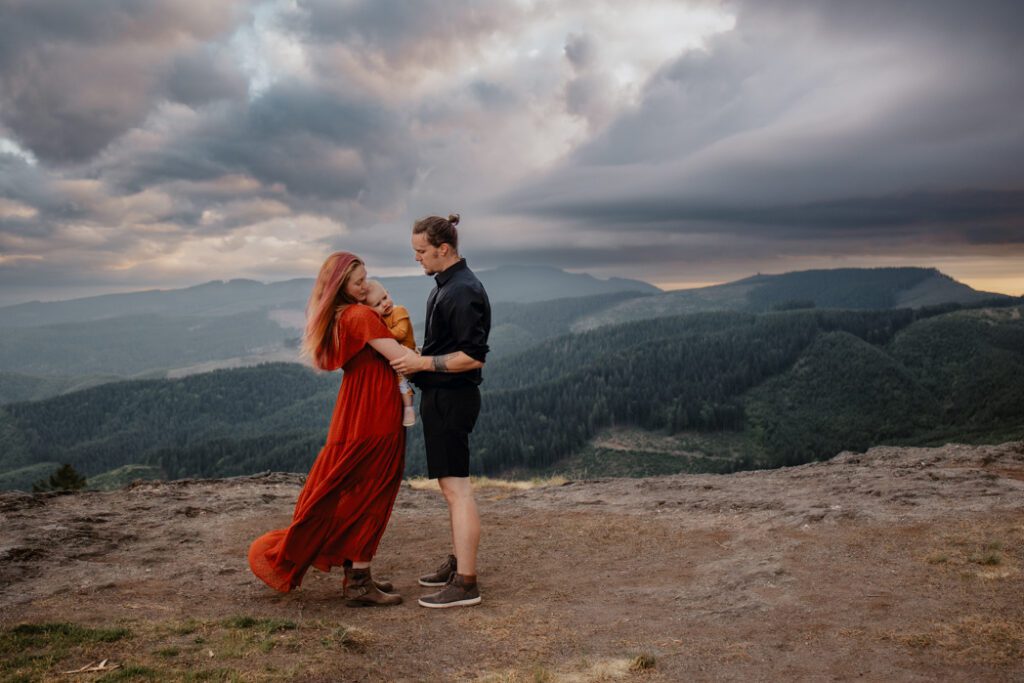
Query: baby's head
{"type": "Point", "coordinates": [378, 298]}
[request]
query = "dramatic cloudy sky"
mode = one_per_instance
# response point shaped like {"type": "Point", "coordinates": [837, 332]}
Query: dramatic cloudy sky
{"type": "Point", "coordinates": [159, 143]}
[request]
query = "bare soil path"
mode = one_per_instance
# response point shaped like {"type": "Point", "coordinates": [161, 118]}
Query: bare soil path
{"type": "Point", "coordinates": [899, 564]}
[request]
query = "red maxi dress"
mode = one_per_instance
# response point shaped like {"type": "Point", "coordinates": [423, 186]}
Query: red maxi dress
{"type": "Point", "coordinates": [346, 501]}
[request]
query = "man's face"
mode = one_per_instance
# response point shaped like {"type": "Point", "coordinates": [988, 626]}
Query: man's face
{"type": "Point", "coordinates": [429, 256]}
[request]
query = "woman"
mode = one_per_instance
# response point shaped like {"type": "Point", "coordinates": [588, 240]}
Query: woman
{"type": "Point", "coordinates": [346, 501]}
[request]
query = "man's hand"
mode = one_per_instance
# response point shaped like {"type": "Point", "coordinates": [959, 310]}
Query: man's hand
{"type": "Point", "coordinates": [411, 363]}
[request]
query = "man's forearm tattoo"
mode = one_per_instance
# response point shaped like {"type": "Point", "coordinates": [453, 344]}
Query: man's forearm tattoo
{"type": "Point", "coordinates": [441, 362]}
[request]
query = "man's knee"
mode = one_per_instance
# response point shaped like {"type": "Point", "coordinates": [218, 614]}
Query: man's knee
{"type": "Point", "coordinates": [455, 489]}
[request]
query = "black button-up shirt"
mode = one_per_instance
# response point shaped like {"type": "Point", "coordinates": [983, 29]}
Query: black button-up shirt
{"type": "Point", "coordinates": [458, 319]}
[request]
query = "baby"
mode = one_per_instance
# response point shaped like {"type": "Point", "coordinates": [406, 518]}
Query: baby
{"type": "Point", "coordinates": [400, 326]}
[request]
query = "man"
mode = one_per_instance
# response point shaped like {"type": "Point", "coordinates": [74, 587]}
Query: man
{"type": "Point", "coordinates": [448, 375]}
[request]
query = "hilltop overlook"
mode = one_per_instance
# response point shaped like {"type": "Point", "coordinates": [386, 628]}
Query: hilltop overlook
{"type": "Point", "coordinates": [899, 564]}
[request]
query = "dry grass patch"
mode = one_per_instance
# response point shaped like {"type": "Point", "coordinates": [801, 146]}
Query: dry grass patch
{"type": "Point", "coordinates": [604, 670]}
{"type": "Point", "coordinates": [996, 555]}
{"type": "Point", "coordinates": [238, 648]}
{"type": "Point", "coordinates": [349, 637]}
{"type": "Point", "coordinates": [513, 676]}
{"type": "Point", "coordinates": [27, 651]}
{"type": "Point", "coordinates": [583, 671]}
{"type": "Point", "coordinates": [975, 639]}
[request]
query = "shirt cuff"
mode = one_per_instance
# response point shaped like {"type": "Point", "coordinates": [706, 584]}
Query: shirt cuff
{"type": "Point", "coordinates": [478, 353]}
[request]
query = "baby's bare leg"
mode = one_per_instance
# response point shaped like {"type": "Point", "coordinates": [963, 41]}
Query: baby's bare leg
{"type": "Point", "coordinates": [408, 412]}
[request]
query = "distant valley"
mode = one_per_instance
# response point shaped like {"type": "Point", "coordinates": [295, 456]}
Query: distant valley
{"type": "Point", "coordinates": [50, 348]}
{"type": "Point", "coordinates": [711, 391]}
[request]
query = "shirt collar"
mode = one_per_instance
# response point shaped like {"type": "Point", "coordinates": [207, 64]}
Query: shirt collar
{"type": "Point", "coordinates": [445, 275]}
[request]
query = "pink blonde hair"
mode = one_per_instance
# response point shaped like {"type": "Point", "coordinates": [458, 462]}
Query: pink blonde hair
{"type": "Point", "coordinates": [326, 300]}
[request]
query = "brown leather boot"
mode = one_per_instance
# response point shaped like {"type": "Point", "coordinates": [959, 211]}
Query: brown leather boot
{"type": "Point", "coordinates": [360, 590]}
{"type": "Point", "coordinates": [382, 586]}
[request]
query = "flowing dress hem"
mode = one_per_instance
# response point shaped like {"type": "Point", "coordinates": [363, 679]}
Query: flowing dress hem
{"type": "Point", "coordinates": [341, 513]}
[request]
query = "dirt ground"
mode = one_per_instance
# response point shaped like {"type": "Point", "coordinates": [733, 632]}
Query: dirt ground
{"type": "Point", "coordinates": [894, 565]}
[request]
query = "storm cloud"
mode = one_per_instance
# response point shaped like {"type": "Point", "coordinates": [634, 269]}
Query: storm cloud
{"type": "Point", "coordinates": [162, 143]}
{"type": "Point", "coordinates": [75, 76]}
{"type": "Point", "coordinates": [817, 119]}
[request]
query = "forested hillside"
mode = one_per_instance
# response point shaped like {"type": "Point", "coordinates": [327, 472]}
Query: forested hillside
{"type": "Point", "coordinates": [242, 322]}
{"type": "Point", "coordinates": [860, 288]}
{"type": "Point", "coordinates": [38, 362]}
{"type": "Point", "coordinates": [130, 345]}
{"type": "Point", "coordinates": [16, 386]}
{"type": "Point", "coordinates": [134, 422]}
{"type": "Point", "coordinates": [50, 348]}
{"type": "Point", "coordinates": [519, 284]}
{"type": "Point", "coordinates": [800, 385]}
{"type": "Point", "coordinates": [517, 326]}
{"type": "Point", "coordinates": [957, 377]}
{"type": "Point", "coordinates": [847, 288]}
{"type": "Point", "coordinates": [795, 385]}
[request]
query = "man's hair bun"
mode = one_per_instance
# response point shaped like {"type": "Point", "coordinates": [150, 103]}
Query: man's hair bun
{"type": "Point", "coordinates": [439, 230]}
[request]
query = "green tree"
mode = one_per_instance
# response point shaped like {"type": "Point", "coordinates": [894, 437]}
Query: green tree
{"type": "Point", "coordinates": [66, 478]}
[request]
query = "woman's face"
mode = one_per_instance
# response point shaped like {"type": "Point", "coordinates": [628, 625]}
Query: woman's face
{"type": "Point", "coordinates": [356, 288]}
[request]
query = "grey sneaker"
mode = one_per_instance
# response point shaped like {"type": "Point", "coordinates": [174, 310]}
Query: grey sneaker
{"type": "Point", "coordinates": [454, 594]}
{"type": "Point", "coordinates": [443, 573]}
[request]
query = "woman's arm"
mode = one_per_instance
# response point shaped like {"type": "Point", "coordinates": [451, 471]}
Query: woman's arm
{"type": "Point", "coordinates": [449, 362]}
{"type": "Point", "coordinates": [391, 349]}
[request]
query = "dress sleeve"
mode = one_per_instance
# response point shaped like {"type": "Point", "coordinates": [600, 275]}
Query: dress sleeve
{"type": "Point", "coordinates": [353, 328]}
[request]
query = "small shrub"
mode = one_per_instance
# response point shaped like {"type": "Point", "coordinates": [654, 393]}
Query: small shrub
{"type": "Point", "coordinates": [240, 622]}
{"type": "Point", "coordinates": [267, 625]}
{"type": "Point", "coordinates": [65, 478]}
{"type": "Point", "coordinates": [276, 625]}
{"type": "Point", "coordinates": [988, 559]}
{"type": "Point", "coordinates": [348, 637]}
{"type": "Point", "coordinates": [185, 628]}
{"type": "Point", "coordinates": [642, 662]}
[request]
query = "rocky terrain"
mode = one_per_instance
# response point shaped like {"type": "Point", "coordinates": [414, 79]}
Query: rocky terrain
{"type": "Point", "coordinates": [897, 564]}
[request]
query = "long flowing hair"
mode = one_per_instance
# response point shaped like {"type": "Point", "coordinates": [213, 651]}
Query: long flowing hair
{"type": "Point", "coordinates": [325, 301]}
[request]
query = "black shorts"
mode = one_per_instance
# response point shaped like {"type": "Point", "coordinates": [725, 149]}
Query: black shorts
{"type": "Point", "coordinates": [449, 415]}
